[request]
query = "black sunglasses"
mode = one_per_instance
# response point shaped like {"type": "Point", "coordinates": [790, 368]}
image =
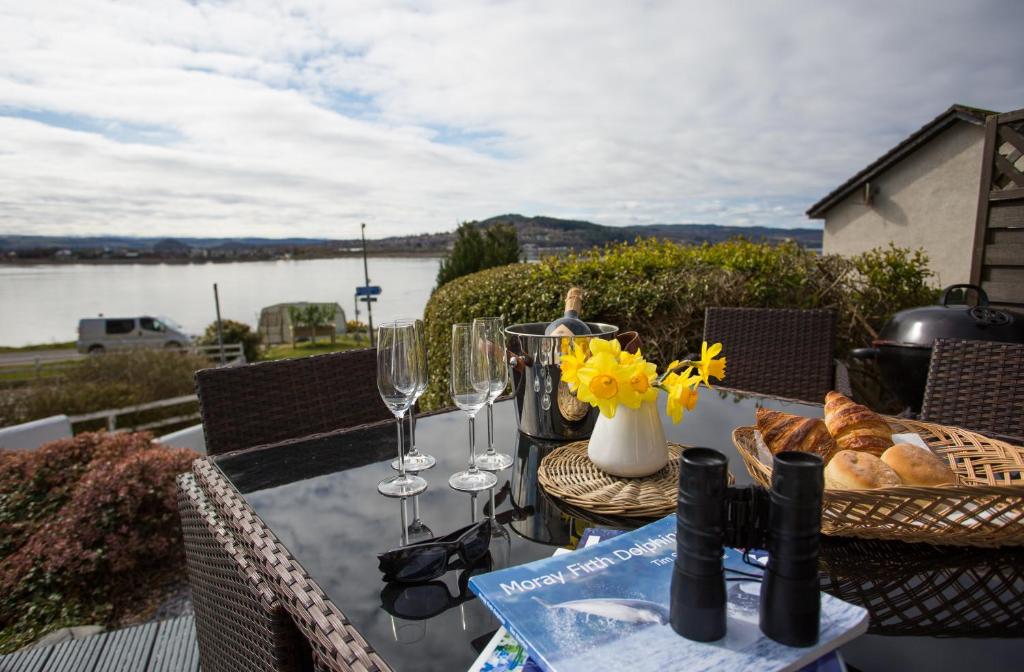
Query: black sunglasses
{"type": "Point", "coordinates": [428, 559]}
{"type": "Point", "coordinates": [419, 601]}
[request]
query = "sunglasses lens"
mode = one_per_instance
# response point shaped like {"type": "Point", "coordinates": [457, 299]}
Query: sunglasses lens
{"type": "Point", "coordinates": [422, 564]}
{"type": "Point", "coordinates": [476, 544]}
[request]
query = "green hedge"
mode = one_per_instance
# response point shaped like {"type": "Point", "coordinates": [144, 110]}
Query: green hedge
{"type": "Point", "coordinates": [661, 290]}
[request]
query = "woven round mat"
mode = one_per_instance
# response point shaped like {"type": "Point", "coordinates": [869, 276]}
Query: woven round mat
{"type": "Point", "coordinates": [568, 474]}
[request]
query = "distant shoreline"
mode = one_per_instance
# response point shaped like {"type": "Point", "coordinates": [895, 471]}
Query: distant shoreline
{"type": "Point", "coordinates": [150, 261]}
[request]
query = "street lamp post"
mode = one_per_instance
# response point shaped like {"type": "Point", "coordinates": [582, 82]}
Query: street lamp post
{"type": "Point", "coordinates": [366, 274]}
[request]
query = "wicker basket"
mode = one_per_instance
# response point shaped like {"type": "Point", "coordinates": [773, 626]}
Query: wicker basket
{"type": "Point", "coordinates": [984, 508]}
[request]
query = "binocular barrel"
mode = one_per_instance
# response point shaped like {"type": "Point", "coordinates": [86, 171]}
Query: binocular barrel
{"type": "Point", "coordinates": [790, 595]}
{"type": "Point", "coordinates": [697, 605]}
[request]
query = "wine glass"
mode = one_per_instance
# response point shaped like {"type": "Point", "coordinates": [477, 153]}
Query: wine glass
{"type": "Point", "coordinates": [414, 459]}
{"type": "Point", "coordinates": [470, 386]}
{"type": "Point", "coordinates": [396, 382]}
{"type": "Point", "coordinates": [489, 333]}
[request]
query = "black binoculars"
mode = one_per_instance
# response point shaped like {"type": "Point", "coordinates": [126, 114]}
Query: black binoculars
{"type": "Point", "coordinates": [785, 520]}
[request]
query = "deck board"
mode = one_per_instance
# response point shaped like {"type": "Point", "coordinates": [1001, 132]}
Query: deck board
{"type": "Point", "coordinates": [176, 648]}
{"type": "Point", "coordinates": [164, 646]}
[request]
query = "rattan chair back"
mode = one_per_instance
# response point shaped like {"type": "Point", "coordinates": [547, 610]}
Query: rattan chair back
{"type": "Point", "coordinates": [240, 623]}
{"type": "Point", "coordinates": [978, 385]}
{"type": "Point", "coordinates": [781, 352]}
{"type": "Point", "coordinates": [270, 402]}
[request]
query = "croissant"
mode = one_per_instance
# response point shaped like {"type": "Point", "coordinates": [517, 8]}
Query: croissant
{"type": "Point", "coordinates": [782, 431]}
{"type": "Point", "coordinates": [856, 427]}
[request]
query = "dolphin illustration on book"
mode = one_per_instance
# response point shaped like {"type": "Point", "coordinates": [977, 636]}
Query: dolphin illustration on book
{"type": "Point", "coordinates": [629, 611]}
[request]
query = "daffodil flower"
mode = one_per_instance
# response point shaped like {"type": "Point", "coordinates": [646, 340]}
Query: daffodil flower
{"type": "Point", "coordinates": [610, 346]}
{"type": "Point", "coordinates": [571, 362]}
{"type": "Point", "coordinates": [603, 382]}
{"type": "Point", "coordinates": [682, 393]}
{"type": "Point", "coordinates": [708, 366]}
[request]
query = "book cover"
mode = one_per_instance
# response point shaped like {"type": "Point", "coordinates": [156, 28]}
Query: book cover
{"type": "Point", "coordinates": [607, 605]}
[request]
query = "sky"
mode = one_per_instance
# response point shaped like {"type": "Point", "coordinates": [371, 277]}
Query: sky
{"type": "Point", "coordinates": [276, 119]}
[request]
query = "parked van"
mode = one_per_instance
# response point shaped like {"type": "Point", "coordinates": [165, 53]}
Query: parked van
{"type": "Point", "coordinates": [98, 334]}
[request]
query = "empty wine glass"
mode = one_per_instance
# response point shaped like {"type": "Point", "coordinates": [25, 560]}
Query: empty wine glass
{"type": "Point", "coordinates": [489, 333]}
{"type": "Point", "coordinates": [414, 459]}
{"type": "Point", "coordinates": [396, 382]}
{"type": "Point", "coordinates": [470, 386]}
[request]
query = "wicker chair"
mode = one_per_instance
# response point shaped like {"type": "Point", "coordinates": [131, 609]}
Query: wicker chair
{"type": "Point", "coordinates": [270, 402]}
{"type": "Point", "coordinates": [786, 353]}
{"type": "Point", "coordinates": [977, 385]}
{"type": "Point", "coordinates": [336, 644]}
{"type": "Point", "coordinates": [240, 623]}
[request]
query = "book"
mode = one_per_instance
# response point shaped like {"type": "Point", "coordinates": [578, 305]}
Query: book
{"type": "Point", "coordinates": [607, 605]}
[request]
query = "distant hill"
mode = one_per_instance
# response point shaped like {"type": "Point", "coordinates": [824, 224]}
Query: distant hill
{"type": "Point", "coordinates": [578, 234]}
{"type": "Point", "coordinates": [537, 234]}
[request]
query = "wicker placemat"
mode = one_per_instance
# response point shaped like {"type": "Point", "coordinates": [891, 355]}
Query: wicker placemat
{"type": "Point", "coordinates": [568, 474]}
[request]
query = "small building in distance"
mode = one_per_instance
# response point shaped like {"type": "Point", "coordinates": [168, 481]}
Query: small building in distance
{"type": "Point", "coordinates": [276, 324]}
{"type": "Point", "coordinates": [922, 193]}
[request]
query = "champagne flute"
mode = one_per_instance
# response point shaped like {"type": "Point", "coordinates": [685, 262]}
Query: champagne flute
{"type": "Point", "coordinates": [415, 460]}
{"type": "Point", "coordinates": [489, 333]}
{"type": "Point", "coordinates": [396, 382]}
{"type": "Point", "coordinates": [469, 385]}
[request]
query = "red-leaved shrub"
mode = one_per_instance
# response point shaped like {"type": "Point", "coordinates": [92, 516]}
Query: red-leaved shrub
{"type": "Point", "coordinates": [86, 517]}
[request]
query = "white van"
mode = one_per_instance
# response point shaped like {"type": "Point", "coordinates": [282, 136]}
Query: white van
{"type": "Point", "coordinates": [98, 334]}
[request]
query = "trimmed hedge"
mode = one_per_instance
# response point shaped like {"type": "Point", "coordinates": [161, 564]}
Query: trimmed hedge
{"type": "Point", "coordinates": [661, 289]}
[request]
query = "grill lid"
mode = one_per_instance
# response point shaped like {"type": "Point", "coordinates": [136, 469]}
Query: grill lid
{"type": "Point", "coordinates": [919, 327]}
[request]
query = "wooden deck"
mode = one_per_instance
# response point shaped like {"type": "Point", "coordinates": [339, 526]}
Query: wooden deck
{"type": "Point", "coordinates": [164, 646]}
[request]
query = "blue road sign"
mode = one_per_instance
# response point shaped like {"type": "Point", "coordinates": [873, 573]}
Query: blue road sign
{"type": "Point", "coordinates": [370, 290]}
{"type": "Point", "coordinates": [368, 299]}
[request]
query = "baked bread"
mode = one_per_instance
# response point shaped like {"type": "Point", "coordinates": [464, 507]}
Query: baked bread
{"type": "Point", "coordinates": [856, 427]}
{"type": "Point", "coordinates": [918, 466]}
{"type": "Point", "coordinates": [782, 431]}
{"type": "Point", "coordinates": [853, 470]}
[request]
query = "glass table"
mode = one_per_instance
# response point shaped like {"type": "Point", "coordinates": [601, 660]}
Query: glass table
{"type": "Point", "coordinates": [933, 608]}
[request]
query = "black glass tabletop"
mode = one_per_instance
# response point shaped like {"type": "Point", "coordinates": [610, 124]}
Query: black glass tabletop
{"type": "Point", "coordinates": [935, 608]}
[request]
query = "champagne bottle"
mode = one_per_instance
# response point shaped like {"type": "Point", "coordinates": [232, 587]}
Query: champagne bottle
{"type": "Point", "coordinates": [570, 324]}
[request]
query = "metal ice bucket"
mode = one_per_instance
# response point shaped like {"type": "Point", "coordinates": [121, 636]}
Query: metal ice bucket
{"type": "Point", "coordinates": [544, 405]}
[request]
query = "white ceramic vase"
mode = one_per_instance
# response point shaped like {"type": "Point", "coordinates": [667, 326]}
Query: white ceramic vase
{"type": "Point", "coordinates": [631, 444]}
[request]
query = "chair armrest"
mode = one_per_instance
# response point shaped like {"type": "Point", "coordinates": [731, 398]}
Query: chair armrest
{"type": "Point", "coordinates": [842, 379]}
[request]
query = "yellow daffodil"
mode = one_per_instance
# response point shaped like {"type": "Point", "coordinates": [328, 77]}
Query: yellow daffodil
{"type": "Point", "coordinates": [641, 380]}
{"type": "Point", "coordinates": [572, 360]}
{"type": "Point", "coordinates": [627, 357]}
{"type": "Point", "coordinates": [599, 345]}
{"type": "Point", "coordinates": [708, 366]}
{"type": "Point", "coordinates": [682, 393]}
{"type": "Point", "coordinates": [603, 382]}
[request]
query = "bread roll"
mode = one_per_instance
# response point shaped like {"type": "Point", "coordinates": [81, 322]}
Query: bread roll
{"type": "Point", "coordinates": [856, 427]}
{"type": "Point", "coordinates": [853, 470]}
{"type": "Point", "coordinates": [782, 431]}
{"type": "Point", "coordinates": [918, 466]}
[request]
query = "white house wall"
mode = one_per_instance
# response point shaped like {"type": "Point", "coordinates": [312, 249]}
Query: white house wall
{"type": "Point", "coordinates": [927, 200]}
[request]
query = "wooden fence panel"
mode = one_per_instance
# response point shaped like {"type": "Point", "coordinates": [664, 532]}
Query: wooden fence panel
{"type": "Point", "coordinates": [998, 261]}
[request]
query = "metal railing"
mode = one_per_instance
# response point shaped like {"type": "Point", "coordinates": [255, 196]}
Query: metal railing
{"type": "Point", "coordinates": [110, 415]}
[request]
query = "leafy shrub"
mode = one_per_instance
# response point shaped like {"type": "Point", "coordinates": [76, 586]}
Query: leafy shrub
{"type": "Point", "coordinates": [355, 325]}
{"type": "Point", "coordinates": [235, 332]}
{"type": "Point", "coordinates": [86, 523]}
{"type": "Point", "coordinates": [113, 380]}
{"type": "Point", "coordinates": [661, 290]}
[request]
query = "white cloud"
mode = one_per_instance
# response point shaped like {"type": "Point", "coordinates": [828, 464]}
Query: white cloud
{"type": "Point", "coordinates": [264, 118]}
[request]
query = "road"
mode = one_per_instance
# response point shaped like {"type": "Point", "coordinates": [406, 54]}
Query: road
{"type": "Point", "coordinates": [28, 357]}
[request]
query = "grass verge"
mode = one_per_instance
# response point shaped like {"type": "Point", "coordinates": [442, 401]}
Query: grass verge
{"type": "Point", "coordinates": [286, 351]}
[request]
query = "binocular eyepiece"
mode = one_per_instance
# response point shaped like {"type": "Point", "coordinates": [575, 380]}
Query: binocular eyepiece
{"type": "Point", "coordinates": [785, 520]}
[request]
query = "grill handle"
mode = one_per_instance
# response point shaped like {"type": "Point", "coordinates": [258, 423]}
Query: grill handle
{"type": "Point", "coordinates": [982, 296]}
